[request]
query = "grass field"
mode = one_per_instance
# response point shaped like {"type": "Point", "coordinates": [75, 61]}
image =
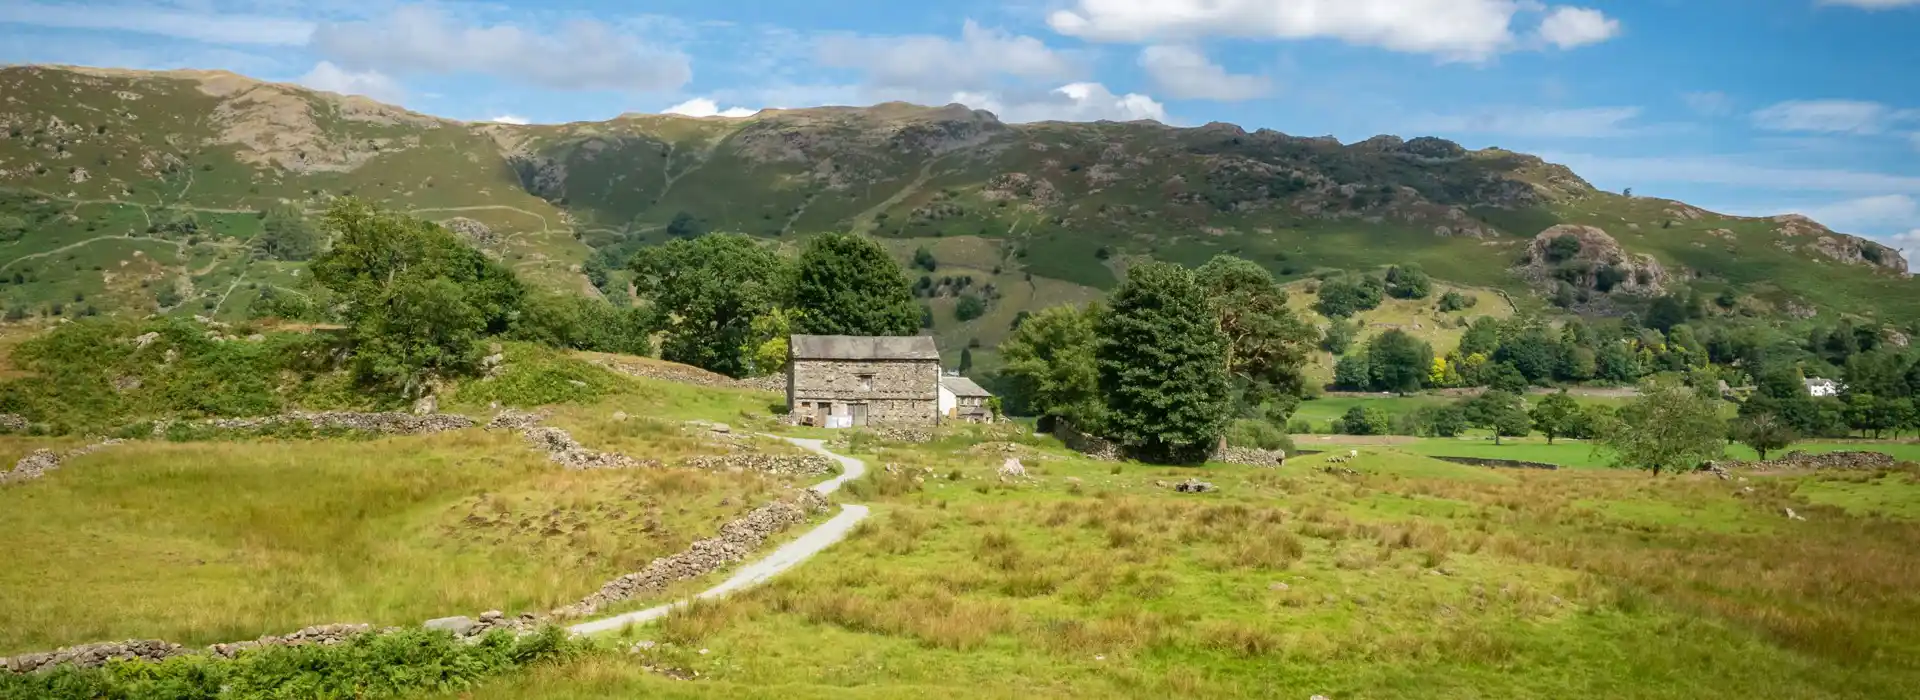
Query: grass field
{"type": "Point", "coordinates": [220, 541]}
{"type": "Point", "coordinates": [1414, 579]}
{"type": "Point", "coordinates": [1568, 453]}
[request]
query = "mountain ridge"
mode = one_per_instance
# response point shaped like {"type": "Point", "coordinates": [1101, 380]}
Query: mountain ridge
{"type": "Point", "coordinates": [1042, 198]}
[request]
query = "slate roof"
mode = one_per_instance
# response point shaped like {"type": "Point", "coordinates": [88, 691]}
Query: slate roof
{"type": "Point", "coordinates": [863, 347]}
{"type": "Point", "coordinates": [962, 386]}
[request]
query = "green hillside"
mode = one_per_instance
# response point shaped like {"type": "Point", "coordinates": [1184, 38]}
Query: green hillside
{"type": "Point", "coordinates": [137, 191]}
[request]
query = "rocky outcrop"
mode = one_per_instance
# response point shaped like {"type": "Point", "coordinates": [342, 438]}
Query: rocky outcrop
{"type": "Point", "coordinates": [476, 234]}
{"type": "Point", "coordinates": [736, 540]}
{"type": "Point", "coordinates": [1596, 264]}
{"type": "Point", "coordinates": [12, 422]}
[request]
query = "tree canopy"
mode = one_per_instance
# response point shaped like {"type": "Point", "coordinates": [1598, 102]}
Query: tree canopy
{"type": "Point", "coordinates": [706, 293]}
{"type": "Point", "coordinates": [1667, 427]}
{"type": "Point", "coordinates": [1162, 362]}
{"type": "Point", "coordinates": [846, 284]}
{"type": "Point", "coordinates": [1050, 362]}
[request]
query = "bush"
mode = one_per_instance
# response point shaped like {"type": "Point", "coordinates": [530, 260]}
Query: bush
{"type": "Point", "coordinates": [1365, 420]}
{"type": "Point", "coordinates": [537, 376]}
{"type": "Point", "coordinates": [1455, 301]}
{"type": "Point", "coordinates": [1260, 434]}
{"type": "Point", "coordinates": [369, 666]}
{"type": "Point", "coordinates": [969, 308]}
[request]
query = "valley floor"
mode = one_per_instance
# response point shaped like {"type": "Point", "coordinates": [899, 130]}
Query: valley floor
{"type": "Point", "coordinates": [1407, 577]}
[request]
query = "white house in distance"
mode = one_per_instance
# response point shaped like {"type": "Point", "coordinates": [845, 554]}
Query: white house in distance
{"type": "Point", "coordinates": [961, 399]}
{"type": "Point", "coordinates": [1822, 387]}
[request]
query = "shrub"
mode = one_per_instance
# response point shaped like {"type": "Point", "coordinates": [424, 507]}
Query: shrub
{"type": "Point", "coordinates": [1260, 434]}
{"type": "Point", "coordinates": [368, 666]}
{"type": "Point", "coordinates": [1365, 420]}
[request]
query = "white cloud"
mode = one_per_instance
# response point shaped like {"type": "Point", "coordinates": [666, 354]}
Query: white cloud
{"type": "Point", "coordinates": [581, 55]}
{"type": "Point", "coordinates": [1878, 212]}
{"type": "Point", "coordinates": [331, 78]}
{"type": "Point", "coordinates": [1574, 27]}
{"type": "Point", "coordinates": [704, 107]}
{"type": "Point", "coordinates": [1075, 102]}
{"type": "Point", "coordinates": [1710, 104]}
{"type": "Point", "coordinates": [1183, 72]}
{"type": "Point", "coordinates": [202, 26]}
{"type": "Point", "coordinates": [1589, 122]}
{"type": "Point", "coordinates": [1450, 29]}
{"type": "Point", "coordinates": [1826, 116]}
{"type": "Point", "coordinates": [510, 119]}
{"type": "Point", "coordinates": [975, 61]}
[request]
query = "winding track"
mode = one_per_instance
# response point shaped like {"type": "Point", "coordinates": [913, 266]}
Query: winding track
{"type": "Point", "coordinates": [786, 557]}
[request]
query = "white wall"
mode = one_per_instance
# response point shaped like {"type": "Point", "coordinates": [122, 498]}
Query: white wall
{"type": "Point", "coordinates": [947, 401]}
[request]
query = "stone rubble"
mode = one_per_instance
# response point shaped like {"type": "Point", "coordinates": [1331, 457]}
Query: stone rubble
{"type": "Point", "coordinates": [736, 540]}
{"type": "Point", "coordinates": [516, 420]}
{"type": "Point", "coordinates": [903, 434]}
{"type": "Point", "coordinates": [324, 635]}
{"type": "Point", "coordinates": [1012, 469]}
{"type": "Point", "coordinates": [12, 422]}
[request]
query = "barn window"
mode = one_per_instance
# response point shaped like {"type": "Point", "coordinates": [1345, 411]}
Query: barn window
{"type": "Point", "coordinates": [866, 382]}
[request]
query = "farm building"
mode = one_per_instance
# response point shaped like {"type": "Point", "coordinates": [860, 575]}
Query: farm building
{"type": "Point", "coordinates": [962, 399]}
{"type": "Point", "coordinates": [840, 381]}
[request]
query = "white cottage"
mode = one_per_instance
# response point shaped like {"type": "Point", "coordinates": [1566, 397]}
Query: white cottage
{"type": "Point", "coordinates": [962, 399]}
{"type": "Point", "coordinates": [1822, 387]}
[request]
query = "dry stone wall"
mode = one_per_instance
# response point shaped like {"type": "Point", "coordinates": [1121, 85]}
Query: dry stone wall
{"type": "Point", "coordinates": [39, 462]}
{"type": "Point", "coordinates": [782, 465]}
{"type": "Point", "coordinates": [563, 450]}
{"type": "Point", "coordinates": [1251, 456]}
{"type": "Point", "coordinates": [1846, 460]}
{"type": "Point", "coordinates": [389, 423]}
{"type": "Point", "coordinates": [736, 540]}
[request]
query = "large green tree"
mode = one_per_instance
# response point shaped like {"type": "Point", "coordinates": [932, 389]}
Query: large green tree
{"type": "Point", "coordinates": [1667, 427]}
{"type": "Point", "coordinates": [1049, 360]}
{"type": "Point", "coordinates": [1558, 415]}
{"type": "Point", "coordinates": [285, 234]}
{"type": "Point", "coordinates": [1498, 411]}
{"type": "Point", "coordinates": [706, 293]}
{"type": "Point", "coordinates": [415, 298]}
{"type": "Point", "coordinates": [1266, 343]}
{"type": "Point", "coordinates": [846, 284]}
{"type": "Point", "coordinates": [1764, 432]}
{"type": "Point", "coordinates": [1162, 362]}
{"type": "Point", "coordinates": [1398, 362]}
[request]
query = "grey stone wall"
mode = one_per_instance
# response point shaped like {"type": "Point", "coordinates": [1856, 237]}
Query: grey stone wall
{"type": "Point", "coordinates": [904, 392]}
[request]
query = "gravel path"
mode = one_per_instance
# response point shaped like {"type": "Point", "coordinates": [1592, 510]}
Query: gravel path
{"type": "Point", "coordinates": [786, 557]}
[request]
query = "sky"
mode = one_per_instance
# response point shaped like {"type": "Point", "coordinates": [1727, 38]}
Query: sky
{"type": "Point", "coordinates": [1752, 107]}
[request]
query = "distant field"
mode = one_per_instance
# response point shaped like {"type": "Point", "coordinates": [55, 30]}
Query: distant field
{"type": "Point", "coordinates": [1569, 453]}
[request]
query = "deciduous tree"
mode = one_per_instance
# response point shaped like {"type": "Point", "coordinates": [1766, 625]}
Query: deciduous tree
{"type": "Point", "coordinates": [1162, 365]}
{"type": "Point", "coordinates": [846, 284]}
{"type": "Point", "coordinates": [1667, 427]}
{"type": "Point", "coordinates": [706, 293]}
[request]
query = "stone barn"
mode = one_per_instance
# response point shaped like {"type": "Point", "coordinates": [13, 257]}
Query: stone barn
{"type": "Point", "coordinates": [840, 381]}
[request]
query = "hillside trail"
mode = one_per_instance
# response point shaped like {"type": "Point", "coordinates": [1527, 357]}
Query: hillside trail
{"type": "Point", "coordinates": [786, 557]}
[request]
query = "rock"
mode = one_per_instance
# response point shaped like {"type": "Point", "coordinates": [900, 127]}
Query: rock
{"type": "Point", "coordinates": [1277, 586]}
{"type": "Point", "coordinates": [12, 422]}
{"type": "Point", "coordinates": [1013, 469]}
{"type": "Point", "coordinates": [642, 646]}
{"type": "Point", "coordinates": [619, 415]}
{"type": "Point", "coordinates": [459, 626]}
{"type": "Point", "coordinates": [577, 383]}
{"type": "Point", "coordinates": [141, 341]}
{"type": "Point", "coordinates": [721, 428]}
{"type": "Point", "coordinates": [562, 449]}
{"type": "Point", "coordinates": [426, 405]}
{"type": "Point", "coordinates": [1628, 273]}
{"type": "Point", "coordinates": [491, 616]}
{"type": "Point", "coordinates": [37, 463]}
{"type": "Point", "coordinates": [1794, 516]}
{"type": "Point", "coordinates": [1193, 486]}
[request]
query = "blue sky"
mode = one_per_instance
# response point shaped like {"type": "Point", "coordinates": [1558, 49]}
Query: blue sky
{"type": "Point", "coordinates": [1742, 106]}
